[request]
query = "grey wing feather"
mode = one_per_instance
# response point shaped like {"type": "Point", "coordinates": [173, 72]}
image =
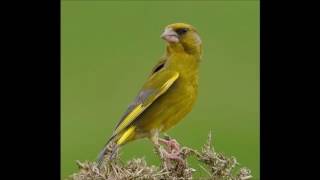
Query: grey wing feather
{"type": "Point", "coordinates": [142, 96]}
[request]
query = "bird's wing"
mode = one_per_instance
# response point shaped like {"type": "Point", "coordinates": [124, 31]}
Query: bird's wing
{"type": "Point", "coordinates": [155, 86]}
{"type": "Point", "coordinates": [159, 65]}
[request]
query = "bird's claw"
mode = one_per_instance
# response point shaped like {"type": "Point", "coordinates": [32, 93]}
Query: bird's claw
{"type": "Point", "coordinates": [171, 145]}
{"type": "Point", "coordinates": [172, 151]}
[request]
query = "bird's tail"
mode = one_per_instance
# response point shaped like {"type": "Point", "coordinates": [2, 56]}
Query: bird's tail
{"type": "Point", "coordinates": [104, 151]}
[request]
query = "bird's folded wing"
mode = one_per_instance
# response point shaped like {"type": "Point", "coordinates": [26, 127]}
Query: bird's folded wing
{"type": "Point", "coordinates": [155, 86]}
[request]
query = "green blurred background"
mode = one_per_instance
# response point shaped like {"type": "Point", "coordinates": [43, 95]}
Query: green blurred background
{"type": "Point", "coordinates": [108, 49]}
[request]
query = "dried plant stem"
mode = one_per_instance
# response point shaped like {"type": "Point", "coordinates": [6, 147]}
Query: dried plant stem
{"type": "Point", "coordinates": [215, 165]}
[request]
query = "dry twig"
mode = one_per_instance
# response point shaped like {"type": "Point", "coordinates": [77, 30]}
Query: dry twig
{"type": "Point", "coordinates": [216, 165]}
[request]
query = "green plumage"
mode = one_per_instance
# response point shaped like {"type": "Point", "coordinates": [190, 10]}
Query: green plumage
{"type": "Point", "coordinates": [169, 93]}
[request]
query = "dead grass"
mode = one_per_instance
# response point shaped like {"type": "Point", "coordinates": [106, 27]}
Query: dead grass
{"type": "Point", "coordinates": [216, 165]}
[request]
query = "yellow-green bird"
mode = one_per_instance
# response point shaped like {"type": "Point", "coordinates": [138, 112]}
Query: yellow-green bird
{"type": "Point", "coordinates": [168, 94]}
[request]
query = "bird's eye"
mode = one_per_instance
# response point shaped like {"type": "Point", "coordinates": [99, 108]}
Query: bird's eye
{"type": "Point", "coordinates": [181, 31]}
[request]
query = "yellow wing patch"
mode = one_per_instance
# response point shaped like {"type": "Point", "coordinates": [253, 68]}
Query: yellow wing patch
{"type": "Point", "coordinates": [164, 86]}
{"type": "Point", "coordinates": [134, 113]}
{"type": "Point", "coordinates": [169, 83]}
{"type": "Point", "coordinates": [126, 135]}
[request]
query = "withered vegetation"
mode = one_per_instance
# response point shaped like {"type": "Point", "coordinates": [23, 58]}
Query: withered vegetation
{"type": "Point", "coordinates": [215, 165]}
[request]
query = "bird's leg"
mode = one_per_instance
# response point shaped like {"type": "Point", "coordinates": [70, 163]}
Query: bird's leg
{"type": "Point", "coordinates": [158, 148]}
{"type": "Point", "coordinates": [171, 153]}
{"type": "Point", "coordinates": [173, 149]}
{"type": "Point", "coordinates": [172, 157]}
{"type": "Point", "coordinates": [171, 144]}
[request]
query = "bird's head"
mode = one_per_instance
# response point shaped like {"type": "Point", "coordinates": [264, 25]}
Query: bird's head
{"type": "Point", "coordinates": [181, 36]}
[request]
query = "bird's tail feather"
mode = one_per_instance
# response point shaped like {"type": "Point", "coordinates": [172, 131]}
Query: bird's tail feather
{"type": "Point", "coordinates": [104, 150]}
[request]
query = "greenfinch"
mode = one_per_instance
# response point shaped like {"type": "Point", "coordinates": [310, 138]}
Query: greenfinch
{"type": "Point", "coordinates": [169, 93]}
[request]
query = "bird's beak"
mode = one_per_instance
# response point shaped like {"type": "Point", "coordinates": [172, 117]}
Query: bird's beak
{"type": "Point", "coordinates": [170, 35]}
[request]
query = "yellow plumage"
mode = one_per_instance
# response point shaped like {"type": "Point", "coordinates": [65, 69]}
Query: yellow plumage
{"type": "Point", "coordinates": [170, 91]}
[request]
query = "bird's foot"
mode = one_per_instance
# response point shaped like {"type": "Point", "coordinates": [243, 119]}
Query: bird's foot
{"type": "Point", "coordinates": [172, 156]}
{"type": "Point", "coordinates": [171, 152]}
{"type": "Point", "coordinates": [171, 145]}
